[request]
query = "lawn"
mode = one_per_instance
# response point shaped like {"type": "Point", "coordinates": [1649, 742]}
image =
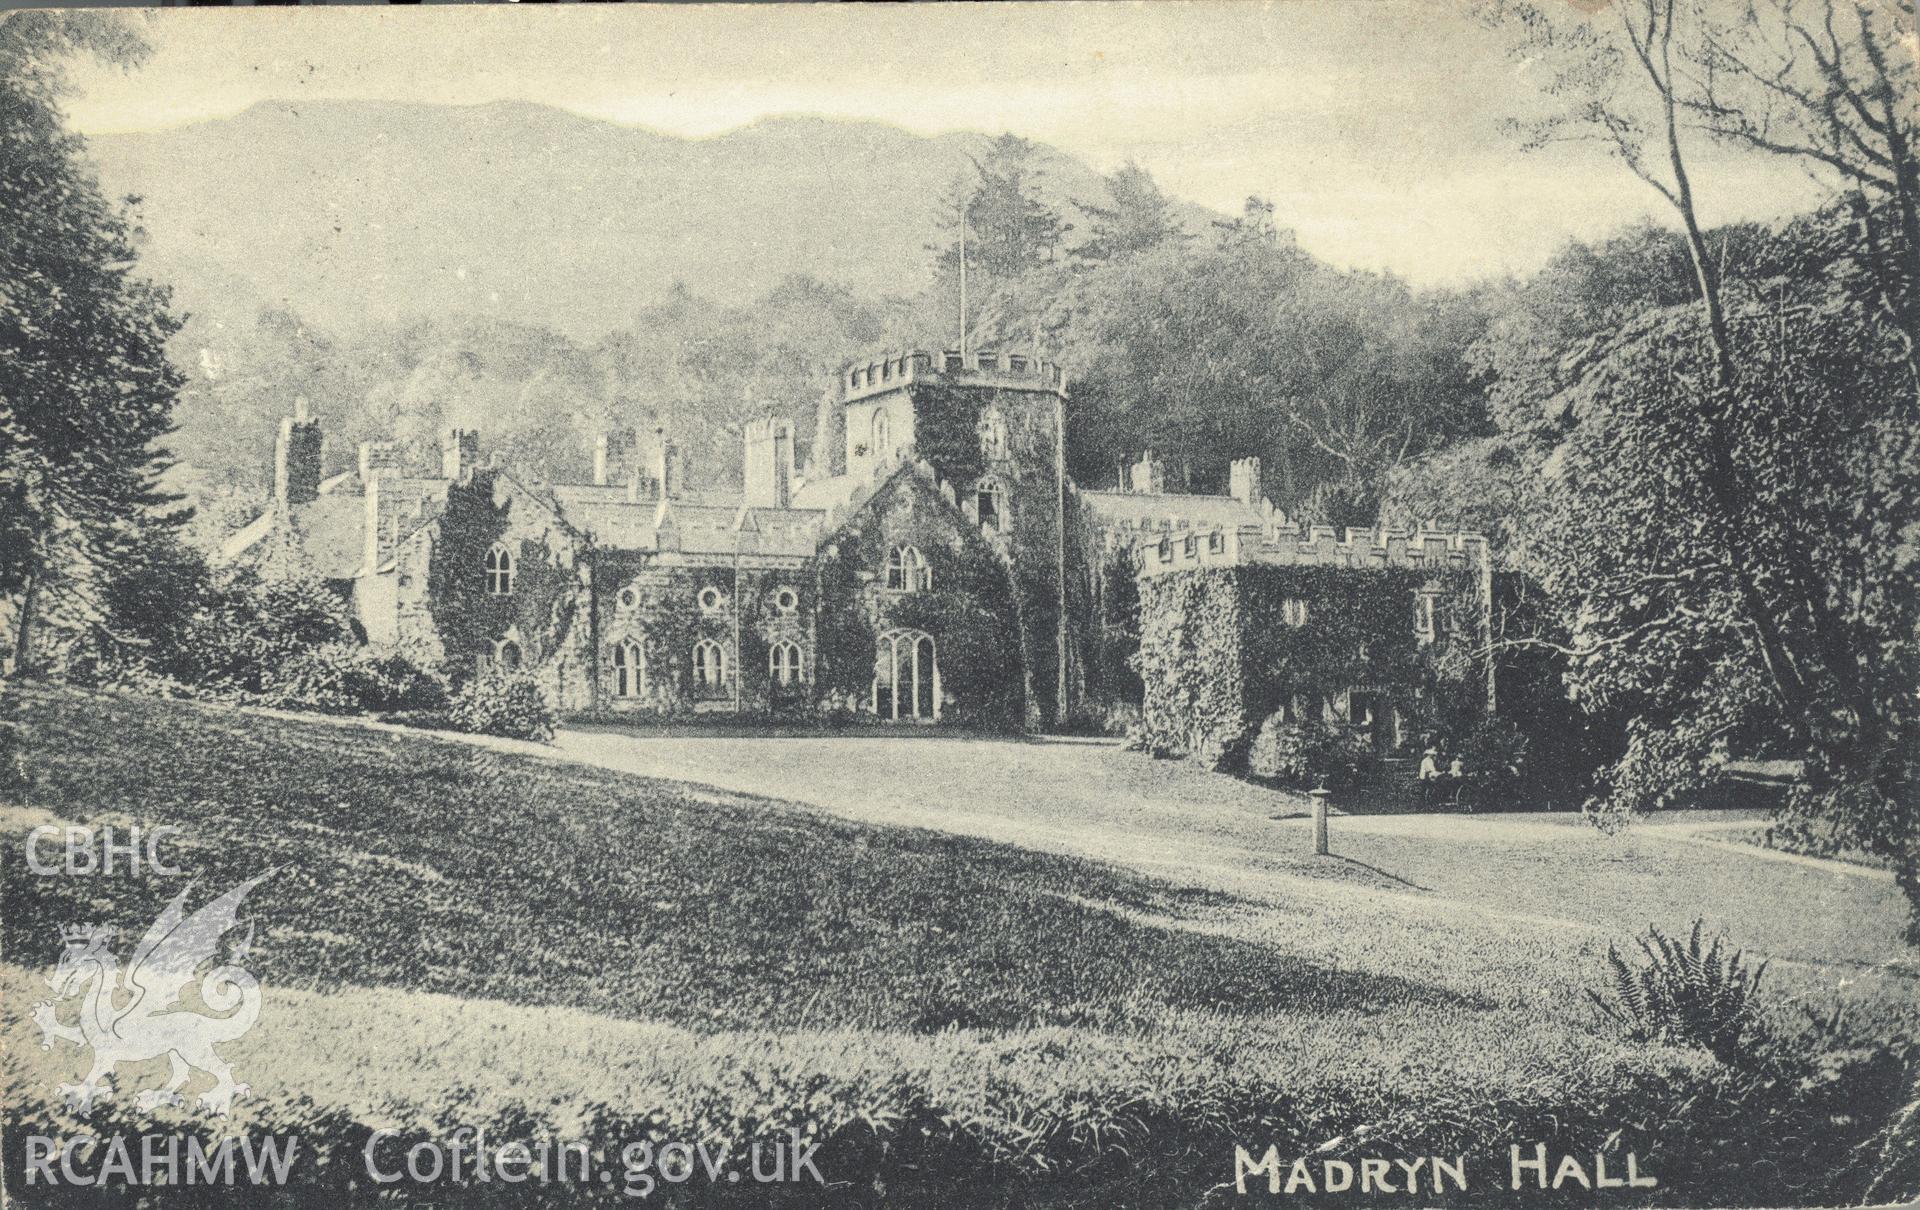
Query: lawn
{"type": "Point", "coordinates": [459, 932]}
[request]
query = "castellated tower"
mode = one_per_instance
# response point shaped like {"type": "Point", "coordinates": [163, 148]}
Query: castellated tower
{"type": "Point", "coordinates": [991, 427]}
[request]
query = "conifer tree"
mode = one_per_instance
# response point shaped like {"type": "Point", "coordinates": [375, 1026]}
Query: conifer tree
{"type": "Point", "coordinates": [86, 389]}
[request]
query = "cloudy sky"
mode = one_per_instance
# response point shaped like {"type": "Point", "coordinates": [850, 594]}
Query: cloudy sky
{"type": "Point", "coordinates": [1375, 126]}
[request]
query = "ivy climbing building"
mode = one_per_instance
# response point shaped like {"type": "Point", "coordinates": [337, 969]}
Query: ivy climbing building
{"type": "Point", "coordinates": [926, 561]}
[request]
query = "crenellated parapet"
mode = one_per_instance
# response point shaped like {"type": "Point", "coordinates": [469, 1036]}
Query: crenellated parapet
{"type": "Point", "coordinates": [1007, 371]}
{"type": "Point", "coordinates": [1278, 540]}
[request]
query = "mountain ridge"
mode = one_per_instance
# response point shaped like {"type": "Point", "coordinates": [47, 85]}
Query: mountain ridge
{"type": "Point", "coordinates": [355, 210]}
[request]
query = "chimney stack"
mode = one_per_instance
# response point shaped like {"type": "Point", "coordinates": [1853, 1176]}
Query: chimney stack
{"type": "Point", "coordinates": [459, 453]}
{"type": "Point", "coordinates": [669, 469]}
{"type": "Point", "coordinates": [298, 455]}
{"type": "Point", "coordinates": [1245, 476]}
{"type": "Point", "coordinates": [1149, 475]}
{"type": "Point", "coordinates": [769, 463]}
{"type": "Point", "coordinates": [614, 453]}
{"type": "Point", "coordinates": [378, 459]}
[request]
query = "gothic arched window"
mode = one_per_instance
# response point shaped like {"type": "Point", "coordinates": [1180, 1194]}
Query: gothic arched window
{"type": "Point", "coordinates": [499, 571]}
{"type": "Point", "coordinates": [709, 664]}
{"type": "Point", "coordinates": [990, 499]}
{"type": "Point", "coordinates": [629, 669]}
{"type": "Point", "coordinates": [784, 664]}
{"type": "Point", "coordinates": [993, 435]}
{"type": "Point", "coordinates": [881, 434]}
{"type": "Point", "coordinates": [907, 570]}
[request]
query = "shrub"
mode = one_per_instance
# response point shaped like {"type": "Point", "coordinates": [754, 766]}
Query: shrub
{"type": "Point", "coordinates": [342, 678]}
{"type": "Point", "coordinates": [1686, 995]}
{"type": "Point", "coordinates": [1298, 755]}
{"type": "Point", "coordinates": [1495, 755]}
{"type": "Point", "coordinates": [499, 702]}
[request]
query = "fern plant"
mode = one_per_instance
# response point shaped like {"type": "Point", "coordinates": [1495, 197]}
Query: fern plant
{"type": "Point", "coordinates": [1685, 994]}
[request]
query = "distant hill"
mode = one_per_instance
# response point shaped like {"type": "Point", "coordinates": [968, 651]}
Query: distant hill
{"type": "Point", "coordinates": [351, 210]}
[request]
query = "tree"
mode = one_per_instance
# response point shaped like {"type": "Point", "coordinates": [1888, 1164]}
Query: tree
{"type": "Point", "coordinates": [1832, 85]}
{"type": "Point", "coordinates": [1010, 227]}
{"type": "Point", "coordinates": [1140, 219]}
{"type": "Point", "coordinates": [86, 388]}
{"type": "Point", "coordinates": [1736, 497]}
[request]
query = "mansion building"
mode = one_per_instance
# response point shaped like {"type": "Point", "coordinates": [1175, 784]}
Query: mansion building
{"type": "Point", "coordinates": [931, 562]}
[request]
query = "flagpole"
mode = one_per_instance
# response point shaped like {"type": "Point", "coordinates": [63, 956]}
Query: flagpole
{"type": "Point", "coordinates": [963, 277]}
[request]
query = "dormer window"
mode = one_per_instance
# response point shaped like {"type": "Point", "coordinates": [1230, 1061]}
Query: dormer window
{"type": "Point", "coordinates": [907, 570]}
{"type": "Point", "coordinates": [499, 572]}
{"type": "Point", "coordinates": [953, 361]}
{"type": "Point", "coordinates": [1216, 542]}
{"type": "Point", "coordinates": [1191, 546]}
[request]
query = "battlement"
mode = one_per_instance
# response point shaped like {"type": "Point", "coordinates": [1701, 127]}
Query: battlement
{"type": "Point", "coordinates": [1278, 540]}
{"type": "Point", "coordinates": [1007, 371]}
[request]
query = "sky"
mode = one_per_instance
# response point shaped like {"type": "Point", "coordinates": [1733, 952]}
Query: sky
{"type": "Point", "coordinates": [1379, 128]}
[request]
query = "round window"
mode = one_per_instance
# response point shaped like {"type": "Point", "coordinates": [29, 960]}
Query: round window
{"type": "Point", "coordinates": [710, 598]}
{"type": "Point", "coordinates": [629, 598]}
{"type": "Point", "coordinates": [786, 600]}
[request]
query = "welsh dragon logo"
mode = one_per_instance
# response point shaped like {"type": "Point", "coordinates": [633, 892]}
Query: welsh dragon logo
{"type": "Point", "coordinates": [140, 1015]}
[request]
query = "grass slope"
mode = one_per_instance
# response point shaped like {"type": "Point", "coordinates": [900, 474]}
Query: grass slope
{"type": "Point", "coordinates": [463, 935]}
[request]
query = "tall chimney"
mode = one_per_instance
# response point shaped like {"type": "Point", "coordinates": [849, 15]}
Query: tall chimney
{"type": "Point", "coordinates": [614, 453]}
{"type": "Point", "coordinates": [1149, 475]}
{"type": "Point", "coordinates": [378, 458]}
{"type": "Point", "coordinates": [1245, 477]}
{"type": "Point", "coordinates": [298, 455]}
{"type": "Point", "coordinates": [769, 463]}
{"type": "Point", "coordinates": [459, 452]}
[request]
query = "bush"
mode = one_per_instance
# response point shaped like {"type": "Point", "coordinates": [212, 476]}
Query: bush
{"type": "Point", "coordinates": [342, 678]}
{"type": "Point", "coordinates": [1495, 755]}
{"type": "Point", "coordinates": [1298, 755]}
{"type": "Point", "coordinates": [1687, 996]}
{"type": "Point", "coordinates": [499, 702]}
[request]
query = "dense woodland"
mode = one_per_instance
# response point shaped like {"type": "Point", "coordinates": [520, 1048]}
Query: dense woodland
{"type": "Point", "coordinates": [1695, 445]}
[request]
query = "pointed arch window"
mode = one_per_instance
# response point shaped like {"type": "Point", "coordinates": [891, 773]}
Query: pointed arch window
{"type": "Point", "coordinates": [629, 669]}
{"type": "Point", "coordinates": [907, 570]}
{"type": "Point", "coordinates": [499, 571]}
{"type": "Point", "coordinates": [993, 435]}
{"type": "Point", "coordinates": [506, 654]}
{"type": "Point", "coordinates": [882, 432]}
{"type": "Point", "coordinates": [906, 676]}
{"type": "Point", "coordinates": [990, 503]}
{"type": "Point", "coordinates": [1423, 617]}
{"type": "Point", "coordinates": [709, 664]}
{"type": "Point", "coordinates": [784, 664]}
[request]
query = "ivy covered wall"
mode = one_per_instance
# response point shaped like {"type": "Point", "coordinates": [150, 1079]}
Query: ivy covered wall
{"type": "Point", "coordinates": [950, 424]}
{"type": "Point", "coordinates": [655, 602]}
{"type": "Point", "coordinates": [968, 608]}
{"type": "Point", "coordinates": [444, 601]}
{"type": "Point", "coordinates": [1222, 648]}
